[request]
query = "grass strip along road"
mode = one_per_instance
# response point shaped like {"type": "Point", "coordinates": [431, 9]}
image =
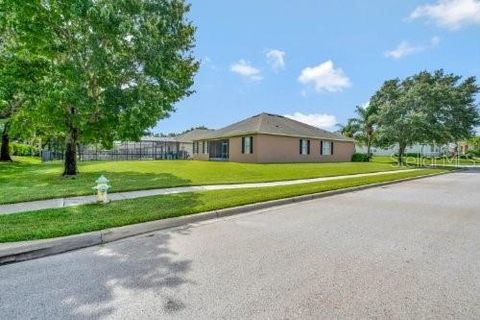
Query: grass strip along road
{"type": "Point", "coordinates": [74, 220]}
{"type": "Point", "coordinates": [28, 180]}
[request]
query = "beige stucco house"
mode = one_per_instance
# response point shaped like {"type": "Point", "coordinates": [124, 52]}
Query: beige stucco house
{"type": "Point", "coordinates": [185, 141]}
{"type": "Point", "coordinates": [267, 138]}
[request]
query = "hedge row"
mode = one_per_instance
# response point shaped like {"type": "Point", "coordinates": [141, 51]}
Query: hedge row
{"type": "Point", "coordinates": [20, 149]}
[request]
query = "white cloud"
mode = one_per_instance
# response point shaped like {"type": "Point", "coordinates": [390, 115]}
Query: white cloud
{"type": "Point", "coordinates": [324, 77]}
{"type": "Point", "coordinates": [276, 58]}
{"type": "Point", "coordinates": [246, 70]}
{"type": "Point", "coordinates": [452, 14]}
{"type": "Point", "coordinates": [405, 48]}
{"type": "Point", "coordinates": [320, 120]}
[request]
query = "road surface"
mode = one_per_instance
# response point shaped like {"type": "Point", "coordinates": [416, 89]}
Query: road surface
{"type": "Point", "coordinates": [409, 250]}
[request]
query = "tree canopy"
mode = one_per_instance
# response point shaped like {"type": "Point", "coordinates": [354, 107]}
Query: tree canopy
{"type": "Point", "coordinates": [426, 108]}
{"type": "Point", "coordinates": [115, 67]}
{"type": "Point", "coordinates": [19, 78]}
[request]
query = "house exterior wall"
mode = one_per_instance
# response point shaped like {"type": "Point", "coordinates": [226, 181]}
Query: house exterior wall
{"type": "Point", "coordinates": [186, 148]}
{"type": "Point", "coordinates": [235, 152]}
{"type": "Point", "coordinates": [286, 149]}
{"type": "Point", "coordinates": [199, 155]}
{"type": "Point", "coordinates": [278, 149]}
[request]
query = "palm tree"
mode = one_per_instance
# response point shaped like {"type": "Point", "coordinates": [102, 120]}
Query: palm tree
{"type": "Point", "coordinates": [350, 129]}
{"type": "Point", "coordinates": [364, 125]}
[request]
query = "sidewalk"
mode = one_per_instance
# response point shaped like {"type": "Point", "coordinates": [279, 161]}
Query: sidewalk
{"type": "Point", "coordinates": [75, 201]}
{"type": "Point", "coordinates": [27, 250]}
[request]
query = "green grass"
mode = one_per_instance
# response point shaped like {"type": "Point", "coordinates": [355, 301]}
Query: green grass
{"type": "Point", "coordinates": [74, 220]}
{"type": "Point", "coordinates": [423, 161]}
{"type": "Point", "coordinates": [27, 179]}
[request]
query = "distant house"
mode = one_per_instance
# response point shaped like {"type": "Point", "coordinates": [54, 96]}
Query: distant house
{"type": "Point", "coordinates": [427, 150]}
{"type": "Point", "coordinates": [267, 138]}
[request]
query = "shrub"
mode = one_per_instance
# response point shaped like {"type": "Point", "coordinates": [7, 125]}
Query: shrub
{"type": "Point", "coordinates": [20, 149]}
{"type": "Point", "coordinates": [360, 157]}
{"type": "Point", "coordinates": [473, 153]}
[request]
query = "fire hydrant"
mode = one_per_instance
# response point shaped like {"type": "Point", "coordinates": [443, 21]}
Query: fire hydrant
{"type": "Point", "coordinates": [102, 189]}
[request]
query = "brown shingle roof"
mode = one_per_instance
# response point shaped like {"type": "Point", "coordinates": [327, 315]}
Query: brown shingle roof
{"type": "Point", "coordinates": [273, 124]}
{"type": "Point", "coordinates": [195, 134]}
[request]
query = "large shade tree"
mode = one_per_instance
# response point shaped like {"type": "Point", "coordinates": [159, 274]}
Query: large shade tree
{"type": "Point", "coordinates": [115, 66]}
{"type": "Point", "coordinates": [426, 108]}
{"type": "Point", "coordinates": [19, 78]}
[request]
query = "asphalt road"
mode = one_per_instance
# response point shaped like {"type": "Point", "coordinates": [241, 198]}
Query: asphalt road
{"type": "Point", "coordinates": [406, 251]}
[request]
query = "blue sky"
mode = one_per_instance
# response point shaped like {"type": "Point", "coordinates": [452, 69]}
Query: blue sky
{"type": "Point", "coordinates": [317, 59]}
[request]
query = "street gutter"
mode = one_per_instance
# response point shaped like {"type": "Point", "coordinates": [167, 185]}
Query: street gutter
{"type": "Point", "coordinates": [27, 250]}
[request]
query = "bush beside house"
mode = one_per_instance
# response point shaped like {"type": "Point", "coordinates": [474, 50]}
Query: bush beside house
{"type": "Point", "coordinates": [361, 157]}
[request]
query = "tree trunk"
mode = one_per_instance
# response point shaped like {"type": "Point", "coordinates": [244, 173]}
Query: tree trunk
{"type": "Point", "coordinates": [369, 141]}
{"type": "Point", "coordinates": [5, 150]}
{"type": "Point", "coordinates": [70, 162]}
{"type": "Point", "coordinates": [401, 153]}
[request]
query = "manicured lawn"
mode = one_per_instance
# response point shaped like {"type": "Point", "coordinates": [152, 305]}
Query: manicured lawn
{"type": "Point", "coordinates": [27, 179]}
{"type": "Point", "coordinates": [416, 161]}
{"type": "Point", "coordinates": [74, 220]}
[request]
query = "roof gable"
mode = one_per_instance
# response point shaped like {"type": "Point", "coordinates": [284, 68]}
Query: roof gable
{"type": "Point", "coordinates": [273, 124]}
{"type": "Point", "coordinates": [195, 134]}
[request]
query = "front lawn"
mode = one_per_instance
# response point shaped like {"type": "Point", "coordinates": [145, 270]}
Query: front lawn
{"type": "Point", "coordinates": [74, 220]}
{"type": "Point", "coordinates": [424, 161]}
{"type": "Point", "coordinates": [26, 180]}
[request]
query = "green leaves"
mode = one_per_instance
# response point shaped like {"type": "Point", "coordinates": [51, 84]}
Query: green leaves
{"type": "Point", "coordinates": [120, 64]}
{"type": "Point", "coordinates": [363, 127]}
{"type": "Point", "coordinates": [426, 108]}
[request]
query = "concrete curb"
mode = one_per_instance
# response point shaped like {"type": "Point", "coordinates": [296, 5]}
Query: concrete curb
{"type": "Point", "coordinates": [30, 206]}
{"type": "Point", "coordinates": [22, 251]}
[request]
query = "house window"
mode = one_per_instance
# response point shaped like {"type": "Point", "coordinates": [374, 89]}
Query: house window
{"type": "Point", "coordinates": [304, 147]}
{"type": "Point", "coordinates": [326, 148]}
{"type": "Point", "coordinates": [247, 145]}
{"type": "Point", "coordinates": [203, 147]}
{"type": "Point", "coordinates": [207, 147]}
{"type": "Point", "coordinates": [195, 147]}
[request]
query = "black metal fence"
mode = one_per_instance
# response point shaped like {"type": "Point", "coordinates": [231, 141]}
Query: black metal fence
{"type": "Point", "coordinates": [150, 150]}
